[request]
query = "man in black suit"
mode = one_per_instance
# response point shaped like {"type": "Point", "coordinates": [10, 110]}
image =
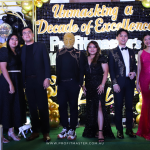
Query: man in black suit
{"type": "Point", "coordinates": [122, 68]}
{"type": "Point", "coordinates": [36, 75]}
{"type": "Point", "coordinates": [69, 71]}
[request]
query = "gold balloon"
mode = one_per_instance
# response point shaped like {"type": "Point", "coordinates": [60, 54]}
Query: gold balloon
{"type": "Point", "coordinates": [52, 122]}
{"type": "Point", "coordinates": [135, 92]}
{"type": "Point", "coordinates": [18, 3]}
{"type": "Point", "coordinates": [49, 105]}
{"type": "Point", "coordinates": [24, 11]}
{"type": "Point", "coordinates": [27, 17]}
{"type": "Point", "coordinates": [3, 45]}
{"type": "Point", "coordinates": [39, 3]}
{"type": "Point", "coordinates": [57, 105]}
{"type": "Point", "coordinates": [138, 107]}
{"type": "Point", "coordinates": [140, 95]}
{"type": "Point", "coordinates": [49, 112]}
{"type": "Point", "coordinates": [50, 91]}
{"type": "Point", "coordinates": [30, 13]}
{"type": "Point", "coordinates": [50, 101]}
{"type": "Point", "coordinates": [55, 92]}
{"type": "Point", "coordinates": [48, 94]}
{"type": "Point", "coordinates": [45, 1]}
{"type": "Point", "coordinates": [34, 2]}
{"type": "Point", "coordinates": [140, 99]}
{"type": "Point", "coordinates": [138, 118]}
{"type": "Point", "coordinates": [55, 113]}
{"type": "Point", "coordinates": [146, 3]}
{"type": "Point", "coordinates": [26, 5]}
{"type": "Point", "coordinates": [57, 121]}
{"type": "Point", "coordinates": [53, 107]}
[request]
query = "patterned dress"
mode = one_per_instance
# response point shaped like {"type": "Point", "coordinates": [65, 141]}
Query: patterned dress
{"type": "Point", "coordinates": [93, 78]}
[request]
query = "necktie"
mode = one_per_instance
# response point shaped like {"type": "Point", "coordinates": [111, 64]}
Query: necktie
{"type": "Point", "coordinates": [125, 48]}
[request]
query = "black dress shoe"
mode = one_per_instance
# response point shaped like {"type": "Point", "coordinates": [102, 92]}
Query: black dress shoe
{"type": "Point", "coordinates": [130, 133]}
{"type": "Point", "coordinates": [46, 137]}
{"type": "Point", "coordinates": [32, 136]}
{"type": "Point", "coordinates": [120, 134]}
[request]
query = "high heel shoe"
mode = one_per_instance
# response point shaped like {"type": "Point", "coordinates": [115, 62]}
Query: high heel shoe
{"type": "Point", "coordinates": [11, 135]}
{"type": "Point", "coordinates": [5, 140]}
{"type": "Point", "coordinates": [101, 139]}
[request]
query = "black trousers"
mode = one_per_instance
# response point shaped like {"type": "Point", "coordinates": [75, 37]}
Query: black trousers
{"type": "Point", "coordinates": [38, 105]}
{"type": "Point", "coordinates": [126, 92]}
{"type": "Point", "coordinates": [68, 92]}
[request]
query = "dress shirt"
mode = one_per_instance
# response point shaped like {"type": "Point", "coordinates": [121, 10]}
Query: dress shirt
{"type": "Point", "coordinates": [125, 55]}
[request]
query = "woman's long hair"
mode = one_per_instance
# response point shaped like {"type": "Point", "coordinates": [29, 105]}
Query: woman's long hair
{"type": "Point", "coordinates": [17, 49]}
{"type": "Point", "coordinates": [144, 46]}
{"type": "Point", "coordinates": [94, 61]}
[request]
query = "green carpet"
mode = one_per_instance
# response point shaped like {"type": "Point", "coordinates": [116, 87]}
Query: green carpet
{"type": "Point", "coordinates": [80, 143]}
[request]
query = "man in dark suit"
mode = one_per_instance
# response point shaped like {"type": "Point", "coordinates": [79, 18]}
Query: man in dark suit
{"type": "Point", "coordinates": [122, 68]}
{"type": "Point", "coordinates": [36, 75]}
{"type": "Point", "coordinates": [69, 71]}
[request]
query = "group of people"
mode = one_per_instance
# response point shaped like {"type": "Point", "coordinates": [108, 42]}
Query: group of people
{"type": "Point", "coordinates": [29, 68]}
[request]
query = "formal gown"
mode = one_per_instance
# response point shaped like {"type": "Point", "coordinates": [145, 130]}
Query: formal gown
{"type": "Point", "coordinates": [12, 106]}
{"type": "Point", "coordinates": [93, 78]}
{"type": "Point", "coordinates": [144, 79]}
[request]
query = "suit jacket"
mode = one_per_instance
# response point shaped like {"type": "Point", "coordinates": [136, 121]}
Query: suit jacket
{"type": "Point", "coordinates": [79, 71]}
{"type": "Point", "coordinates": [41, 62]}
{"type": "Point", "coordinates": [117, 67]}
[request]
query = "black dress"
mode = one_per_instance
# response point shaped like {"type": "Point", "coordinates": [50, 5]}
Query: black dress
{"type": "Point", "coordinates": [12, 106]}
{"type": "Point", "coordinates": [93, 78]}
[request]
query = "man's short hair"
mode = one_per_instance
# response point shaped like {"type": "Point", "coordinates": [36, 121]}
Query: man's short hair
{"type": "Point", "coordinates": [27, 28]}
{"type": "Point", "coordinates": [121, 30]}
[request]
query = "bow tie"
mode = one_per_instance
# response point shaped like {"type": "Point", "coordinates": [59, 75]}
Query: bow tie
{"type": "Point", "coordinates": [125, 48]}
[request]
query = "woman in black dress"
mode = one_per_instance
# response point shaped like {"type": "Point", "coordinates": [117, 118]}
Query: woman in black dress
{"type": "Point", "coordinates": [96, 71]}
{"type": "Point", "coordinates": [12, 102]}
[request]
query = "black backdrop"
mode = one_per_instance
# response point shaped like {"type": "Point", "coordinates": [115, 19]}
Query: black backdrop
{"type": "Point", "coordinates": [140, 14]}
